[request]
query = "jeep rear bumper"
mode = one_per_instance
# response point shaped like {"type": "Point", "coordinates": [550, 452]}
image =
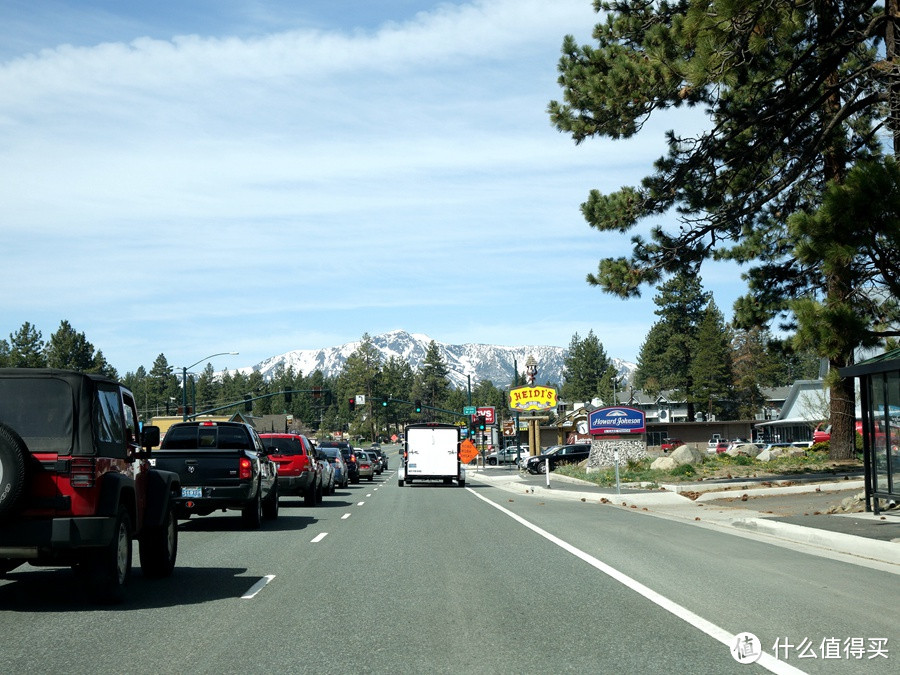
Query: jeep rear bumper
{"type": "Point", "coordinates": [54, 537]}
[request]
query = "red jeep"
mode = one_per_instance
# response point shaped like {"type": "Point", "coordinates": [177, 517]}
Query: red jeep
{"type": "Point", "coordinates": [75, 485]}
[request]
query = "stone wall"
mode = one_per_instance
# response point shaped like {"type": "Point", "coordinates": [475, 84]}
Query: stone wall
{"type": "Point", "coordinates": [603, 452]}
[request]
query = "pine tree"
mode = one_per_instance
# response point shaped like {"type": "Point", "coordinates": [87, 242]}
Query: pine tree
{"type": "Point", "coordinates": [70, 350]}
{"type": "Point", "coordinates": [432, 383]}
{"type": "Point", "coordinates": [360, 375]}
{"type": "Point", "coordinates": [586, 368]}
{"type": "Point", "coordinates": [669, 349]}
{"type": "Point", "coordinates": [164, 387]}
{"type": "Point", "coordinates": [138, 383]}
{"type": "Point", "coordinates": [26, 348]}
{"type": "Point", "coordinates": [204, 390]}
{"type": "Point", "coordinates": [796, 95]}
{"type": "Point", "coordinates": [710, 367]}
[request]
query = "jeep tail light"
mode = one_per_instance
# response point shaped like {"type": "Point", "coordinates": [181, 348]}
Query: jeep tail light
{"type": "Point", "coordinates": [246, 470]}
{"type": "Point", "coordinates": [82, 472]}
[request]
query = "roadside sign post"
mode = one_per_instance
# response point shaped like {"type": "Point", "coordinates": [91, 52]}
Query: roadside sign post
{"type": "Point", "coordinates": [616, 459]}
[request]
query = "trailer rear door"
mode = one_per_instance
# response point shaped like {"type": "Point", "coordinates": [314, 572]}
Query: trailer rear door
{"type": "Point", "coordinates": [432, 452]}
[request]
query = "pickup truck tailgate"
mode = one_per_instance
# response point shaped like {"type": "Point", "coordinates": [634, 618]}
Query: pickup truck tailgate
{"type": "Point", "coordinates": [200, 467]}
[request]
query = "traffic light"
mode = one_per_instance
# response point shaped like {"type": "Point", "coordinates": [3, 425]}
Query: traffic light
{"type": "Point", "coordinates": [248, 403]}
{"type": "Point", "coordinates": [384, 402]}
{"type": "Point", "coordinates": [351, 403]}
{"type": "Point", "coordinates": [288, 397]}
{"type": "Point", "coordinates": [479, 423]}
{"type": "Point", "coordinates": [418, 406]}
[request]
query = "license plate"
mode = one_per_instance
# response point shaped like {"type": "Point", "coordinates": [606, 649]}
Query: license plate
{"type": "Point", "coordinates": [193, 492]}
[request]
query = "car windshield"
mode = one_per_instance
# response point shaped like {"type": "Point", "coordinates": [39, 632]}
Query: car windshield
{"type": "Point", "coordinates": [283, 446]}
{"type": "Point", "coordinates": [206, 437]}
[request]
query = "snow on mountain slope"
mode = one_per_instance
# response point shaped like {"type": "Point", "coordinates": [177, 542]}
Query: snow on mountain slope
{"type": "Point", "coordinates": [482, 362]}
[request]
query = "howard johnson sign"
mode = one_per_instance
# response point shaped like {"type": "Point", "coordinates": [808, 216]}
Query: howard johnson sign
{"type": "Point", "coordinates": [616, 420]}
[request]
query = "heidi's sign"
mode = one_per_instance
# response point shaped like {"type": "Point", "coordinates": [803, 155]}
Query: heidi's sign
{"type": "Point", "coordinates": [616, 420]}
{"type": "Point", "coordinates": [532, 398]}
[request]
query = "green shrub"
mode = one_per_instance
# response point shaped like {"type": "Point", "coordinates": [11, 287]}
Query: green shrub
{"type": "Point", "coordinates": [638, 464]}
{"type": "Point", "coordinates": [684, 470]}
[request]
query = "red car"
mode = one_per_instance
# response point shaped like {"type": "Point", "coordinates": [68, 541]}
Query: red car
{"type": "Point", "coordinates": [670, 444]}
{"type": "Point", "coordinates": [722, 446]}
{"type": "Point", "coordinates": [823, 431]}
{"type": "Point", "coordinates": [298, 471]}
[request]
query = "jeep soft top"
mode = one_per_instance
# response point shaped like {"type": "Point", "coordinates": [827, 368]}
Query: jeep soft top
{"type": "Point", "coordinates": [75, 484]}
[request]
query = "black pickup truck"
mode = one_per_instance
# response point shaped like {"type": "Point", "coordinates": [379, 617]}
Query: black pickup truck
{"type": "Point", "coordinates": [222, 465]}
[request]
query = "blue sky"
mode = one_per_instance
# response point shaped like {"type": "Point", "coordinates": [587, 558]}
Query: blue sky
{"type": "Point", "coordinates": [185, 177]}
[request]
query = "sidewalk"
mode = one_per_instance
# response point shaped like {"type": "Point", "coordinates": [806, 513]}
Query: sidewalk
{"type": "Point", "coordinates": [793, 512]}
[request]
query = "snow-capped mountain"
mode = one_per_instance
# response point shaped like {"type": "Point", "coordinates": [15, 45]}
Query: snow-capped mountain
{"type": "Point", "coordinates": [482, 362]}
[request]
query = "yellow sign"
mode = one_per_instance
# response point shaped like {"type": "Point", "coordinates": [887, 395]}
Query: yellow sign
{"type": "Point", "coordinates": [467, 451]}
{"type": "Point", "coordinates": [532, 398]}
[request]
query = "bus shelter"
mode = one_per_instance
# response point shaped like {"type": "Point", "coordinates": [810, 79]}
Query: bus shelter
{"type": "Point", "coordinates": [879, 388]}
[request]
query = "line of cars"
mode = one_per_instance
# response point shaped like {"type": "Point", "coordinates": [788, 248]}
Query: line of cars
{"type": "Point", "coordinates": [228, 465]}
{"type": "Point", "coordinates": [337, 464]}
{"type": "Point", "coordinates": [83, 482]}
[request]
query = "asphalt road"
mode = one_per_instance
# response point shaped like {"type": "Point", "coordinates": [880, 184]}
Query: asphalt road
{"type": "Point", "coordinates": [433, 578]}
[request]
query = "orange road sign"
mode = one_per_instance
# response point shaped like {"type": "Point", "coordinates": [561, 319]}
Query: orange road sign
{"type": "Point", "coordinates": [467, 451]}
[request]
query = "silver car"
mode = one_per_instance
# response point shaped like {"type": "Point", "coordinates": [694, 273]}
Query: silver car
{"type": "Point", "coordinates": [366, 464]}
{"type": "Point", "coordinates": [508, 455]}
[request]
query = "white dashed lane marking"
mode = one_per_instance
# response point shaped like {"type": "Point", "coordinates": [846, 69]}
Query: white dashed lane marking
{"type": "Point", "coordinates": [257, 587]}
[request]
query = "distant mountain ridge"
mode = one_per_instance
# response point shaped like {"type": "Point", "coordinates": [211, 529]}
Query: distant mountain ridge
{"type": "Point", "coordinates": [482, 362]}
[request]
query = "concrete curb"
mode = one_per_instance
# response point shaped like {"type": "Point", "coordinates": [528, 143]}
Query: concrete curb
{"type": "Point", "coordinates": [874, 549]}
{"type": "Point", "coordinates": [785, 490]}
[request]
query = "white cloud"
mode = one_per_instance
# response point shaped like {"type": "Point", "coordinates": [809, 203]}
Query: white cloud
{"type": "Point", "coordinates": [340, 180]}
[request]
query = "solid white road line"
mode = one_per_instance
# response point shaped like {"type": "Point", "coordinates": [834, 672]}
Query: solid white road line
{"type": "Point", "coordinates": [257, 587]}
{"type": "Point", "coordinates": [766, 660]}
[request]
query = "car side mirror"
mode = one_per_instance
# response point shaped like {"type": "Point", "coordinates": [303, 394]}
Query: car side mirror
{"type": "Point", "coordinates": [149, 436]}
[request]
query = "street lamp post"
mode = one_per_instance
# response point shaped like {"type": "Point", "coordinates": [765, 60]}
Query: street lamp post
{"type": "Point", "coordinates": [184, 380]}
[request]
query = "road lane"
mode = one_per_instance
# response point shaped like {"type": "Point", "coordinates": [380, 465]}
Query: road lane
{"type": "Point", "coordinates": [421, 578]}
{"type": "Point", "coordinates": [737, 582]}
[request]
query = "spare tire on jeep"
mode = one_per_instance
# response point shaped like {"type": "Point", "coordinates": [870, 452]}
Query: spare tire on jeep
{"type": "Point", "coordinates": [13, 469]}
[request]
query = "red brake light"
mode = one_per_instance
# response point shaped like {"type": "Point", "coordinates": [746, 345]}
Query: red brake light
{"type": "Point", "coordinates": [82, 472]}
{"type": "Point", "coordinates": [207, 424]}
{"type": "Point", "coordinates": [246, 470]}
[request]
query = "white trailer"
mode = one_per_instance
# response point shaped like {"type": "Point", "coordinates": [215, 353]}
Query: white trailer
{"type": "Point", "coordinates": [431, 452]}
